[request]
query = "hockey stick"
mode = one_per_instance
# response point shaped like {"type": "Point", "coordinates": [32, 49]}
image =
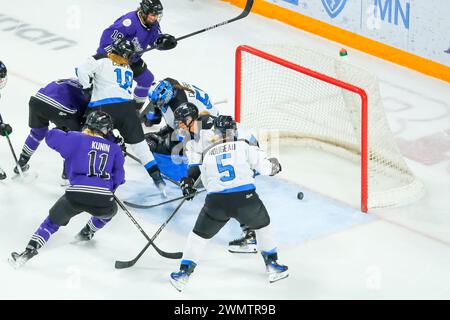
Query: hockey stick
{"type": "Point", "coordinates": [127, 264]}
{"type": "Point", "coordinates": [12, 150]}
{"type": "Point", "coordinates": [170, 255]}
{"type": "Point", "coordinates": [143, 206]}
{"type": "Point", "coordinates": [243, 14]}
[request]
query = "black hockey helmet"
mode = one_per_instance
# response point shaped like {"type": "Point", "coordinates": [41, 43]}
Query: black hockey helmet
{"type": "Point", "coordinates": [123, 47]}
{"type": "Point", "coordinates": [225, 126]}
{"type": "Point", "coordinates": [100, 122]}
{"type": "Point", "coordinates": [3, 75]}
{"type": "Point", "coordinates": [151, 7]}
{"type": "Point", "coordinates": [184, 111]}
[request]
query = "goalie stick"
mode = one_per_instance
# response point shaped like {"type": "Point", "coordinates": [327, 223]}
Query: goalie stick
{"type": "Point", "coordinates": [243, 14]}
{"type": "Point", "coordinates": [130, 263]}
{"type": "Point", "coordinates": [169, 255]}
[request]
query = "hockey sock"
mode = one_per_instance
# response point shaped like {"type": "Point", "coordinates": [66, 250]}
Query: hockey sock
{"type": "Point", "coordinates": [194, 247]}
{"type": "Point", "coordinates": [144, 154]}
{"type": "Point", "coordinates": [43, 233]}
{"type": "Point", "coordinates": [266, 239]}
{"type": "Point", "coordinates": [33, 141]}
{"type": "Point", "coordinates": [96, 224]}
{"type": "Point", "coordinates": [144, 82]}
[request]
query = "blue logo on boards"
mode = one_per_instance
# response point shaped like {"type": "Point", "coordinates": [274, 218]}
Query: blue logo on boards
{"type": "Point", "coordinates": [334, 7]}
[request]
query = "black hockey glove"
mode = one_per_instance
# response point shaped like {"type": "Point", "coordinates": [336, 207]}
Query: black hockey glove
{"type": "Point", "coordinates": [117, 140]}
{"type": "Point", "coordinates": [153, 117]}
{"type": "Point", "coordinates": [166, 42]}
{"type": "Point", "coordinates": [276, 166]}
{"type": "Point", "coordinates": [5, 129]}
{"type": "Point", "coordinates": [187, 186]}
{"type": "Point", "coordinates": [153, 140]}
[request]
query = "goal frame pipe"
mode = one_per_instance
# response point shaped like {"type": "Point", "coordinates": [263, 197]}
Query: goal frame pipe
{"type": "Point", "coordinates": [344, 85]}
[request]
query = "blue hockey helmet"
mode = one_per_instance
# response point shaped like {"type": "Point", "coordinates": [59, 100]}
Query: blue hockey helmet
{"type": "Point", "coordinates": [162, 93]}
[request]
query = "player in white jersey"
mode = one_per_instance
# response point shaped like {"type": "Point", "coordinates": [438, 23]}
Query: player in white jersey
{"type": "Point", "coordinates": [225, 160]}
{"type": "Point", "coordinates": [112, 79]}
{"type": "Point", "coordinates": [165, 97]}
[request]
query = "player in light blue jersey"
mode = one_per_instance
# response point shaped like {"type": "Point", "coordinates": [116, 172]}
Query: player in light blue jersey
{"type": "Point", "coordinates": [111, 78]}
{"type": "Point", "coordinates": [225, 160]}
{"type": "Point", "coordinates": [165, 97]}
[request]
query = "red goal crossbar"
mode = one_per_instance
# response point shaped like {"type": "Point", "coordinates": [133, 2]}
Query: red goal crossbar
{"type": "Point", "coordinates": [321, 77]}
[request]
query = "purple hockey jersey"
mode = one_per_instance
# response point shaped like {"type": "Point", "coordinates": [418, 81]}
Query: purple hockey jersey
{"type": "Point", "coordinates": [65, 95]}
{"type": "Point", "coordinates": [93, 164]}
{"type": "Point", "coordinates": [130, 27]}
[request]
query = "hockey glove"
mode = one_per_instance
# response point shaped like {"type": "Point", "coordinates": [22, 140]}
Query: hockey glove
{"type": "Point", "coordinates": [153, 117]}
{"type": "Point", "coordinates": [187, 186]}
{"type": "Point", "coordinates": [153, 140]}
{"type": "Point", "coordinates": [276, 166]}
{"type": "Point", "coordinates": [166, 42]}
{"type": "Point", "coordinates": [5, 129]}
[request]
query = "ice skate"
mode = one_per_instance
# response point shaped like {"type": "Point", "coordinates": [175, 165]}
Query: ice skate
{"type": "Point", "coordinates": [159, 183]}
{"type": "Point", "coordinates": [180, 279]}
{"type": "Point", "coordinates": [17, 260]}
{"type": "Point", "coordinates": [246, 244]}
{"type": "Point", "coordinates": [274, 270]}
{"type": "Point", "coordinates": [85, 234]}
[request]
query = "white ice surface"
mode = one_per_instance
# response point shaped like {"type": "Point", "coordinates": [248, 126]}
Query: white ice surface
{"type": "Point", "coordinates": [332, 250]}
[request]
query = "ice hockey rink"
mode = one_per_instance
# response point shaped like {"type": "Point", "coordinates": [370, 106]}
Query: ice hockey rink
{"type": "Point", "coordinates": [333, 250]}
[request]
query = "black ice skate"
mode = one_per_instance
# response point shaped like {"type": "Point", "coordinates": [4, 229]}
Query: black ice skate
{"type": "Point", "coordinates": [274, 270]}
{"type": "Point", "coordinates": [85, 234]}
{"type": "Point", "coordinates": [2, 174]}
{"type": "Point", "coordinates": [246, 244]}
{"type": "Point", "coordinates": [19, 259]}
{"type": "Point", "coordinates": [23, 163]}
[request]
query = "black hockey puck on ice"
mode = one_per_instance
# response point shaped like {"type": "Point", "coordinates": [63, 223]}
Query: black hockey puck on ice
{"type": "Point", "coordinates": [300, 195]}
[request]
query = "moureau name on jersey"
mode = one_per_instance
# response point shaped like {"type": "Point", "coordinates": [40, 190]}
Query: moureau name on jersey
{"type": "Point", "coordinates": [222, 149]}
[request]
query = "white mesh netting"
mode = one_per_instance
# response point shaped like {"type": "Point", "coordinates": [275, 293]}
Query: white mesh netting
{"type": "Point", "coordinates": [311, 112]}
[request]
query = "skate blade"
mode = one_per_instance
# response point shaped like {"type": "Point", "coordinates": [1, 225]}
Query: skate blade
{"type": "Point", "coordinates": [245, 249]}
{"type": "Point", "coordinates": [25, 177]}
{"type": "Point", "coordinates": [16, 264]}
{"type": "Point", "coordinates": [177, 285]}
{"type": "Point", "coordinates": [273, 277]}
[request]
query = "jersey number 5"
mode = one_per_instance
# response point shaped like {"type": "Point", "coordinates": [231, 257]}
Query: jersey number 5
{"type": "Point", "coordinates": [225, 168]}
{"type": "Point", "coordinates": [103, 159]}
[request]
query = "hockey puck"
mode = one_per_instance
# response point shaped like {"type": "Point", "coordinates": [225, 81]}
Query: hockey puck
{"type": "Point", "coordinates": [300, 195]}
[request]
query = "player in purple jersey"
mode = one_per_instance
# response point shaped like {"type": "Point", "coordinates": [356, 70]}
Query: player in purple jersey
{"type": "Point", "coordinates": [142, 28]}
{"type": "Point", "coordinates": [62, 102]}
{"type": "Point", "coordinates": [95, 170]}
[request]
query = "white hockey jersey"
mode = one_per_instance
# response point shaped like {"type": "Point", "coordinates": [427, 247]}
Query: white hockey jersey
{"type": "Point", "coordinates": [112, 82]}
{"type": "Point", "coordinates": [228, 166]}
{"type": "Point", "coordinates": [198, 97]}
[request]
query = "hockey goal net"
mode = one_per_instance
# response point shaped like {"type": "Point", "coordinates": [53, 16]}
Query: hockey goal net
{"type": "Point", "coordinates": [318, 101]}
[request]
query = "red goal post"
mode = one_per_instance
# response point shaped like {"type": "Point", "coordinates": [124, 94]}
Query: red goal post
{"type": "Point", "coordinates": [310, 80]}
